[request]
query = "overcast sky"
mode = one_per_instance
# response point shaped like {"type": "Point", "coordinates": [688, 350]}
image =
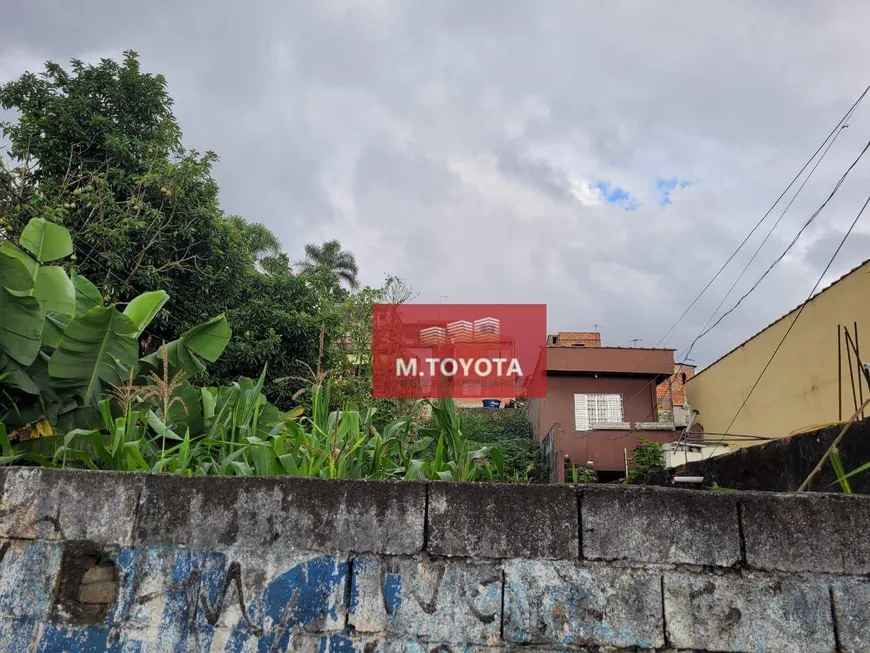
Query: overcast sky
{"type": "Point", "coordinates": [602, 157]}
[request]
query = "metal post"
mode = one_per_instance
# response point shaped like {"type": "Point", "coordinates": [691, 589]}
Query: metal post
{"type": "Point", "coordinates": [858, 357]}
{"type": "Point", "coordinates": [839, 374]}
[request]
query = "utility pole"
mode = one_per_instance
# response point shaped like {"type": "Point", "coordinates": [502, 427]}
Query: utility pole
{"type": "Point", "coordinates": [635, 341]}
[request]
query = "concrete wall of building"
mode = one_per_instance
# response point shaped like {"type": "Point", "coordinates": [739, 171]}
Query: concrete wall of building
{"type": "Point", "coordinates": [253, 564]}
{"type": "Point", "coordinates": [800, 388]}
{"type": "Point", "coordinates": [604, 448]}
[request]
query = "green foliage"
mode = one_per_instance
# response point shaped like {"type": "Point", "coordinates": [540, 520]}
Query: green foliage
{"type": "Point", "coordinates": [234, 431]}
{"type": "Point", "coordinates": [277, 323]}
{"type": "Point", "coordinates": [332, 263]}
{"type": "Point", "coordinates": [582, 474]}
{"type": "Point", "coordinates": [60, 353]}
{"type": "Point", "coordinates": [97, 149]}
{"type": "Point", "coordinates": [646, 459]}
{"type": "Point", "coordinates": [511, 433]}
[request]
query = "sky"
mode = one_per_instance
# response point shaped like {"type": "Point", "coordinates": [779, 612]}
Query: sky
{"type": "Point", "coordinates": [602, 157]}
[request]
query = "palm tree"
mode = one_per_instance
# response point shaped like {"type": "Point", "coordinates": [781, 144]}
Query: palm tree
{"type": "Point", "coordinates": [330, 258]}
{"type": "Point", "coordinates": [259, 241]}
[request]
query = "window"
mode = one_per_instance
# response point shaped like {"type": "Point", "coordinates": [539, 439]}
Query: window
{"type": "Point", "coordinates": [592, 408]}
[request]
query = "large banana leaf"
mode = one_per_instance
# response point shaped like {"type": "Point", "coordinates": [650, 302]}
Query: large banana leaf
{"type": "Point", "coordinates": [55, 291]}
{"type": "Point", "coordinates": [97, 347]}
{"type": "Point", "coordinates": [45, 240]}
{"type": "Point", "coordinates": [49, 284]}
{"type": "Point", "coordinates": [143, 309]}
{"type": "Point", "coordinates": [14, 274]}
{"type": "Point", "coordinates": [87, 295]}
{"type": "Point", "coordinates": [13, 251]}
{"type": "Point", "coordinates": [204, 341]}
{"type": "Point", "coordinates": [14, 374]}
{"type": "Point", "coordinates": [21, 322]}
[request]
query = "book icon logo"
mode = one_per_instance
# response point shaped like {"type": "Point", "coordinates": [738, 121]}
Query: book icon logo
{"type": "Point", "coordinates": [484, 330]}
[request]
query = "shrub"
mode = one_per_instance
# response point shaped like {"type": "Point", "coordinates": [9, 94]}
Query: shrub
{"type": "Point", "coordinates": [511, 432]}
{"type": "Point", "coordinates": [645, 460]}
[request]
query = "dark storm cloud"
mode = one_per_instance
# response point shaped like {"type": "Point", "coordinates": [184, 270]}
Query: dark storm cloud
{"type": "Point", "coordinates": [457, 144]}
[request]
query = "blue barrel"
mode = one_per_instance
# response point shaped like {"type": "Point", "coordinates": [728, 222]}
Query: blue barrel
{"type": "Point", "coordinates": [491, 403]}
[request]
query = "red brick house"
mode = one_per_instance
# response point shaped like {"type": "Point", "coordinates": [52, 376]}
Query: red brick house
{"type": "Point", "coordinates": [600, 402]}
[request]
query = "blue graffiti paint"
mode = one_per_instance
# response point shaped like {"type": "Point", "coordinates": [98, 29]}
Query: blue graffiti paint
{"type": "Point", "coordinates": [125, 562]}
{"type": "Point", "coordinates": [58, 638]}
{"type": "Point", "coordinates": [180, 603]}
{"type": "Point", "coordinates": [211, 596]}
{"type": "Point", "coordinates": [33, 565]}
{"type": "Point", "coordinates": [337, 644]}
{"type": "Point", "coordinates": [392, 593]}
{"type": "Point", "coordinates": [298, 598]}
{"type": "Point", "coordinates": [16, 634]}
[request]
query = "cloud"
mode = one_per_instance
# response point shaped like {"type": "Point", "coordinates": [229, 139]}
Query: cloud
{"type": "Point", "coordinates": [490, 151]}
{"type": "Point", "coordinates": [615, 195]}
{"type": "Point", "coordinates": [665, 187]}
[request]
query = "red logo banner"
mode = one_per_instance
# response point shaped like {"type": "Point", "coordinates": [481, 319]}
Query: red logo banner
{"type": "Point", "coordinates": [484, 351]}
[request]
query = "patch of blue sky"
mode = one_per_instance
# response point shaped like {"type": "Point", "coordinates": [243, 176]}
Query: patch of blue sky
{"type": "Point", "coordinates": [665, 187]}
{"type": "Point", "coordinates": [615, 195]}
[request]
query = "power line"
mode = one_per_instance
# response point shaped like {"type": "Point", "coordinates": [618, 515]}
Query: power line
{"type": "Point", "coordinates": [832, 134]}
{"type": "Point", "coordinates": [826, 146]}
{"type": "Point", "coordinates": [791, 244]}
{"type": "Point", "coordinates": [705, 330]}
{"type": "Point", "coordinates": [800, 310]}
{"type": "Point", "coordinates": [769, 234]}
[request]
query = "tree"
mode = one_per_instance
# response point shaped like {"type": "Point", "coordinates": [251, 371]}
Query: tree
{"type": "Point", "coordinates": [338, 265]}
{"type": "Point", "coordinates": [98, 150]}
{"type": "Point", "coordinates": [259, 241]}
{"type": "Point", "coordinates": [277, 322]}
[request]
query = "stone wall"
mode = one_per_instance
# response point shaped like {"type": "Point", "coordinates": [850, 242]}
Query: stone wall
{"type": "Point", "coordinates": [782, 465]}
{"type": "Point", "coordinates": [96, 561]}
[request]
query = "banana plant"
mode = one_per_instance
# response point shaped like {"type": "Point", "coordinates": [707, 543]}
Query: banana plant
{"type": "Point", "coordinates": [62, 350]}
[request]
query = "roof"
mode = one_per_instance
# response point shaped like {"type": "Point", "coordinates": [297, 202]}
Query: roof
{"type": "Point", "coordinates": [780, 319]}
{"type": "Point", "coordinates": [624, 361]}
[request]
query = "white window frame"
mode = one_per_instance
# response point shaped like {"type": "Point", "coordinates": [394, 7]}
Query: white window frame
{"type": "Point", "coordinates": [597, 410]}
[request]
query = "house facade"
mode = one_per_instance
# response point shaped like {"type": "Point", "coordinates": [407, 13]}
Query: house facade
{"type": "Point", "coordinates": [600, 402]}
{"type": "Point", "coordinates": [814, 378]}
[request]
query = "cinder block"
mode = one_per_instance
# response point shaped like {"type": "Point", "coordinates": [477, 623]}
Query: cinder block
{"type": "Point", "coordinates": [503, 521]}
{"type": "Point", "coordinates": [28, 575]}
{"type": "Point", "coordinates": [433, 600]}
{"type": "Point", "coordinates": [659, 525]}
{"type": "Point", "coordinates": [56, 504]}
{"type": "Point", "coordinates": [852, 610]}
{"type": "Point", "coordinates": [569, 604]}
{"type": "Point", "coordinates": [294, 514]}
{"type": "Point", "coordinates": [755, 612]}
{"type": "Point", "coordinates": [807, 532]}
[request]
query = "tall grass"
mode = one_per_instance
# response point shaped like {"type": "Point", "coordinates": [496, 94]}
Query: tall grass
{"type": "Point", "coordinates": [233, 430]}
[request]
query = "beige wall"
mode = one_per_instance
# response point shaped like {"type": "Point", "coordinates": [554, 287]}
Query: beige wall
{"type": "Point", "coordinates": [800, 387]}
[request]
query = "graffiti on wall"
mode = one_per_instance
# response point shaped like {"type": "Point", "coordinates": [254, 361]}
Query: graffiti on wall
{"type": "Point", "coordinates": [176, 599]}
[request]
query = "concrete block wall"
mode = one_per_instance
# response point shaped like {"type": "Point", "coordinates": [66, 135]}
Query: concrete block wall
{"type": "Point", "coordinates": [93, 561]}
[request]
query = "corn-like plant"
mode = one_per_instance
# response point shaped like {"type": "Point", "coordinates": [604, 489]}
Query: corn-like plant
{"type": "Point", "coordinates": [238, 432]}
